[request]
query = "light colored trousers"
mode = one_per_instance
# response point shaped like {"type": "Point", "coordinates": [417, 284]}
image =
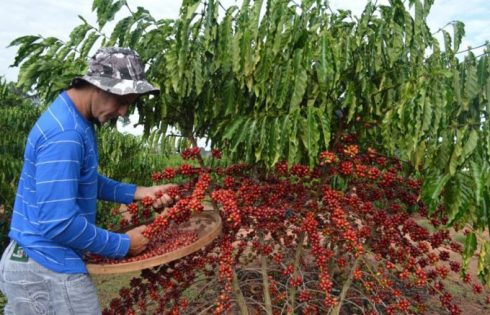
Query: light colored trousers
{"type": "Point", "coordinates": [32, 289]}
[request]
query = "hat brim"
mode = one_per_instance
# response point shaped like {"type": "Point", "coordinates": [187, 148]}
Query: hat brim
{"type": "Point", "coordinates": [120, 86]}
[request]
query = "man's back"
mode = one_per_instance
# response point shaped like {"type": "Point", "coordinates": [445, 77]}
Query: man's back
{"type": "Point", "coordinates": [57, 192]}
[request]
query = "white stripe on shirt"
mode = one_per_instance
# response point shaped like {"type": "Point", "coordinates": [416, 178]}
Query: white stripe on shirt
{"type": "Point", "coordinates": [55, 118]}
{"type": "Point", "coordinates": [105, 243]}
{"type": "Point", "coordinates": [52, 260]}
{"type": "Point", "coordinates": [50, 221]}
{"type": "Point", "coordinates": [81, 232]}
{"type": "Point", "coordinates": [57, 161]}
{"type": "Point", "coordinates": [58, 180]}
{"type": "Point", "coordinates": [59, 141]}
{"type": "Point", "coordinates": [38, 127]}
{"type": "Point", "coordinates": [56, 200]}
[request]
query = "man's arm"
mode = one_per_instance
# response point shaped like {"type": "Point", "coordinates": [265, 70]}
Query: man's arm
{"type": "Point", "coordinates": [58, 166]}
{"type": "Point", "coordinates": [112, 190]}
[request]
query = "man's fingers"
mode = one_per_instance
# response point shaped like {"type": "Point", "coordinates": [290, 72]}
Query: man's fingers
{"type": "Point", "coordinates": [168, 186]}
{"type": "Point", "coordinates": [163, 201]}
{"type": "Point", "coordinates": [140, 248]}
{"type": "Point", "coordinates": [166, 200]}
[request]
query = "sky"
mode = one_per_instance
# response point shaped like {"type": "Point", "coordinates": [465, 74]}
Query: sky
{"type": "Point", "coordinates": [58, 17]}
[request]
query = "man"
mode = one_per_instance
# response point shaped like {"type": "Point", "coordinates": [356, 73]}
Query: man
{"type": "Point", "coordinates": [53, 222]}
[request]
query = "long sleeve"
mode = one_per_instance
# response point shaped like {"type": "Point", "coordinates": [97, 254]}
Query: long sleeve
{"type": "Point", "coordinates": [111, 190]}
{"type": "Point", "coordinates": [58, 216]}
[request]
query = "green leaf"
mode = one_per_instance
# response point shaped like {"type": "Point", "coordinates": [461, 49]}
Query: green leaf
{"type": "Point", "coordinates": [470, 144]}
{"type": "Point", "coordinates": [484, 263]}
{"type": "Point", "coordinates": [300, 81]}
{"type": "Point", "coordinates": [238, 137]}
{"type": "Point", "coordinates": [419, 15]}
{"type": "Point", "coordinates": [88, 44]}
{"type": "Point", "coordinates": [432, 188]}
{"type": "Point", "coordinates": [476, 172]}
{"type": "Point", "coordinates": [324, 123]}
{"type": "Point", "coordinates": [120, 31]}
{"type": "Point", "coordinates": [293, 138]}
{"type": "Point", "coordinates": [428, 112]}
{"type": "Point", "coordinates": [447, 42]}
{"type": "Point", "coordinates": [27, 47]}
{"type": "Point", "coordinates": [253, 135]}
{"type": "Point", "coordinates": [471, 86]}
{"type": "Point", "coordinates": [106, 10]}
{"type": "Point", "coordinates": [25, 40]}
{"type": "Point", "coordinates": [229, 134]}
{"type": "Point", "coordinates": [285, 128]}
{"type": "Point", "coordinates": [262, 139]}
{"type": "Point", "coordinates": [458, 28]}
{"type": "Point", "coordinates": [198, 76]}
{"type": "Point", "coordinates": [470, 244]}
{"type": "Point", "coordinates": [274, 142]}
{"type": "Point", "coordinates": [191, 9]}
{"type": "Point", "coordinates": [78, 34]}
{"type": "Point", "coordinates": [454, 160]}
{"type": "Point", "coordinates": [229, 95]}
{"type": "Point", "coordinates": [312, 135]}
{"type": "Point", "coordinates": [420, 154]}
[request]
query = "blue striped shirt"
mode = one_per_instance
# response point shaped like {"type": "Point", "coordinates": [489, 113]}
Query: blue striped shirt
{"type": "Point", "coordinates": [54, 210]}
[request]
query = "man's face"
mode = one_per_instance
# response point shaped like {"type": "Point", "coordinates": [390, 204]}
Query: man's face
{"type": "Point", "coordinates": [107, 106]}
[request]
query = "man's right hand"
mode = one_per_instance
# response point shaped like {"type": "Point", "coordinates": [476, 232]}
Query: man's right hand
{"type": "Point", "coordinates": [137, 241]}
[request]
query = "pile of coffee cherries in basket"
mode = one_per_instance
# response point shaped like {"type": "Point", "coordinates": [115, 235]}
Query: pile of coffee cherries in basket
{"type": "Point", "coordinates": [165, 242]}
{"type": "Point", "coordinates": [163, 231]}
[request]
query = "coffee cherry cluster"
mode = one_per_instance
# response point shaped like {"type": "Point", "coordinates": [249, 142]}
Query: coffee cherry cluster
{"type": "Point", "coordinates": [227, 199]}
{"type": "Point", "coordinates": [327, 157]}
{"type": "Point", "coordinates": [182, 210]}
{"type": "Point", "coordinates": [312, 228]}
{"type": "Point", "coordinates": [190, 153]}
{"type": "Point", "coordinates": [216, 154]}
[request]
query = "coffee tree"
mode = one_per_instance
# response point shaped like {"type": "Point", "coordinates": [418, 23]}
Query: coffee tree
{"type": "Point", "coordinates": [336, 238]}
{"type": "Point", "coordinates": [277, 85]}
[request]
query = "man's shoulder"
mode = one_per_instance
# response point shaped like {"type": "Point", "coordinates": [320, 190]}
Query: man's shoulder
{"type": "Point", "coordinates": [58, 118]}
{"type": "Point", "coordinates": [57, 128]}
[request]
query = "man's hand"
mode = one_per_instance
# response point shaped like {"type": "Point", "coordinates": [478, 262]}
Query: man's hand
{"type": "Point", "coordinates": [153, 192]}
{"type": "Point", "coordinates": [137, 241]}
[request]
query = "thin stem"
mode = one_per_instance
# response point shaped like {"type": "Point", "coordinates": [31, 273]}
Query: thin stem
{"type": "Point", "coordinates": [239, 295]}
{"type": "Point", "coordinates": [265, 281]}
{"type": "Point", "coordinates": [345, 288]}
{"type": "Point", "coordinates": [204, 311]}
{"type": "Point", "coordinates": [299, 252]}
{"type": "Point", "coordinates": [472, 48]}
{"type": "Point", "coordinates": [441, 28]}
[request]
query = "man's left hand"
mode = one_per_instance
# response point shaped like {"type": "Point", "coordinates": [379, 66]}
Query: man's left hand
{"type": "Point", "coordinates": [154, 192]}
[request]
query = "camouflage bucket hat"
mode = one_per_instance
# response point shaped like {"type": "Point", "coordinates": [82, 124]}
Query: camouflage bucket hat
{"type": "Point", "coordinates": [118, 71]}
